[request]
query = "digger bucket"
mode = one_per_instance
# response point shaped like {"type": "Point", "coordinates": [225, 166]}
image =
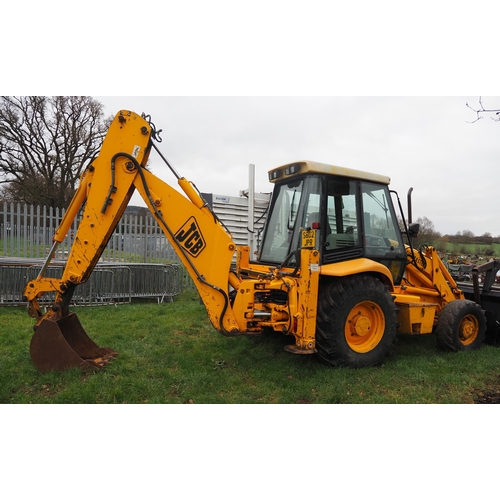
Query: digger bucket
{"type": "Point", "coordinates": [63, 344]}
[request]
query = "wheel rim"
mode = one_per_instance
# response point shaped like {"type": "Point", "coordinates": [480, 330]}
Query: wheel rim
{"type": "Point", "coordinates": [468, 329]}
{"type": "Point", "coordinates": [365, 326]}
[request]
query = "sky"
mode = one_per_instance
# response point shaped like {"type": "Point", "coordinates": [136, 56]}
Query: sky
{"type": "Point", "coordinates": [426, 143]}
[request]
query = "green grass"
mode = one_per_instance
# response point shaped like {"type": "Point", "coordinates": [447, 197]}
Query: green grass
{"type": "Point", "coordinates": [169, 353]}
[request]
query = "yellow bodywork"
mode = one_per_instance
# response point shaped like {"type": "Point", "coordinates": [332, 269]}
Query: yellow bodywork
{"type": "Point", "coordinates": [313, 167]}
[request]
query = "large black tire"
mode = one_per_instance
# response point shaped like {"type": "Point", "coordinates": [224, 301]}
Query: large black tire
{"type": "Point", "coordinates": [356, 322]}
{"type": "Point", "coordinates": [461, 326]}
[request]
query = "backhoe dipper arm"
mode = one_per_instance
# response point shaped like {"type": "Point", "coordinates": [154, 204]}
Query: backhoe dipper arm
{"type": "Point", "coordinates": [196, 234]}
{"type": "Point", "coordinates": [105, 189]}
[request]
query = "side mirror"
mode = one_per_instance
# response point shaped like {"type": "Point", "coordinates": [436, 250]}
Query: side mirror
{"type": "Point", "coordinates": [413, 230]}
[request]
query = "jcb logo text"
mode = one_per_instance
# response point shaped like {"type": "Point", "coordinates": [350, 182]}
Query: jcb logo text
{"type": "Point", "coordinates": [190, 237]}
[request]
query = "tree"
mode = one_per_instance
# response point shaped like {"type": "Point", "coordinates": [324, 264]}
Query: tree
{"type": "Point", "coordinates": [427, 232]}
{"type": "Point", "coordinates": [467, 235]}
{"type": "Point", "coordinates": [45, 144]}
{"type": "Point", "coordinates": [481, 110]}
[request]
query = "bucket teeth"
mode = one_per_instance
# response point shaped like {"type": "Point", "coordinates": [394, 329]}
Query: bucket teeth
{"type": "Point", "coordinates": [106, 357]}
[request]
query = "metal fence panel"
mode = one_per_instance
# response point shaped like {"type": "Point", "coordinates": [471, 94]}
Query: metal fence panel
{"type": "Point", "coordinates": [108, 284]}
{"type": "Point", "coordinates": [12, 282]}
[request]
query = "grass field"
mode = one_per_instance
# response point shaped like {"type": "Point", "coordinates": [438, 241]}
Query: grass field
{"type": "Point", "coordinates": [169, 353]}
{"type": "Point", "coordinates": [469, 249]}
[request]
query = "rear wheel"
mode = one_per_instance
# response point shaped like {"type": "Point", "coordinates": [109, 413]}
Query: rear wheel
{"type": "Point", "coordinates": [461, 326]}
{"type": "Point", "coordinates": [356, 322]}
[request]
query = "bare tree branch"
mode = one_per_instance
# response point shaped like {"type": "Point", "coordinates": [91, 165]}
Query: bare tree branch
{"type": "Point", "coordinates": [482, 110]}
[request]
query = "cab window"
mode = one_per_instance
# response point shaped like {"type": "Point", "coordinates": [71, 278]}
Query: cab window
{"type": "Point", "coordinates": [382, 236]}
{"type": "Point", "coordinates": [342, 228]}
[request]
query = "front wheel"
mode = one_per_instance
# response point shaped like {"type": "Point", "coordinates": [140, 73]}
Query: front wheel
{"type": "Point", "coordinates": [461, 326]}
{"type": "Point", "coordinates": [356, 323]}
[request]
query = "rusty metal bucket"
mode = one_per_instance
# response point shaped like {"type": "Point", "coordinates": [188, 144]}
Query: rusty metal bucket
{"type": "Point", "coordinates": [63, 344]}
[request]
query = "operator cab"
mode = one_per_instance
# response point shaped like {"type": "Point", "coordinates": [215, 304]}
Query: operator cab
{"type": "Point", "coordinates": [352, 210]}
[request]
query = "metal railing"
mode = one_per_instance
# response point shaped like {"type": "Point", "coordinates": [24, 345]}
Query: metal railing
{"type": "Point", "coordinates": [108, 283]}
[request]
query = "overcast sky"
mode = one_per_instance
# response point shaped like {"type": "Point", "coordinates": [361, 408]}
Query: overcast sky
{"type": "Point", "coordinates": [427, 143]}
{"type": "Point", "coordinates": [277, 48]}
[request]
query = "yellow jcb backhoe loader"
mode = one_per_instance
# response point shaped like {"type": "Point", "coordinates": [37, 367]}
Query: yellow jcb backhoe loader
{"type": "Point", "coordinates": [332, 270]}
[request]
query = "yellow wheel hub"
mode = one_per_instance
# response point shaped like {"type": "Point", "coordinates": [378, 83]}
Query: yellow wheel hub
{"type": "Point", "coordinates": [365, 326]}
{"type": "Point", "coordinates": [468, 329]}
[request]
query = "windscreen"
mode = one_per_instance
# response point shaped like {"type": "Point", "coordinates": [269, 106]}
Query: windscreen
{"type": "Point", "coordinates": [295, 205]}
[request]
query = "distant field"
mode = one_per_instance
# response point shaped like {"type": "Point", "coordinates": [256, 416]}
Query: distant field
{"type": "Point", "coordinates": [471, 249]}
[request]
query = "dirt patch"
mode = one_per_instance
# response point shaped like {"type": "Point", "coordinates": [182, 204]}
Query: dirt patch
{"type": "Point", "coordinates": [487, 397]}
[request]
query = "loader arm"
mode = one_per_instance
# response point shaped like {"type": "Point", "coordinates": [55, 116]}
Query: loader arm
{"type": "Point", "coordinates": [199, 238]}
{"type": "Point", "coordinates": [427, 276]}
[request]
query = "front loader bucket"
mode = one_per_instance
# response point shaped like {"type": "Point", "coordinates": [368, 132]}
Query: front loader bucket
{"type": "Point", "coordinates": [63, 344]}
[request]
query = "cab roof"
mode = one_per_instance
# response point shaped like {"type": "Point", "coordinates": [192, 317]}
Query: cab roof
{"type": "Point", "coordinates": [312, 167]}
